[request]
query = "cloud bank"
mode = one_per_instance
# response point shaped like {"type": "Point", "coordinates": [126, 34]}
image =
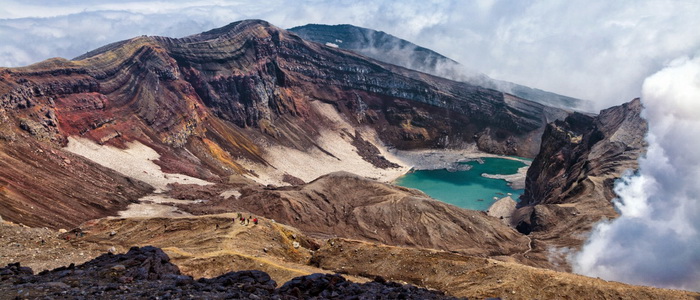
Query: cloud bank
{"type": "Point", "coordinates": [656, 240]}
{"type": "Point", "coordinates": [594, 50]}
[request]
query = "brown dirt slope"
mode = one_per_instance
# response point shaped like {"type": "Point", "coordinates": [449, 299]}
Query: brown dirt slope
{"type": "Point", "coordinates": [474, 277]}
{"type": "Point", "coordinates": [200, 249]}
{"type": "Point", "coordinates": [41, 185]}
{"type": "Point", "coordinates": [40, 248]}
{"type": "Point", "coordinates": [345, 205]}
{"type": "Point", "coordinates": [208, 246]}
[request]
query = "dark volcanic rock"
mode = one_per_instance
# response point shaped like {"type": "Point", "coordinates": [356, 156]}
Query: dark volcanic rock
{"type": "Point", "coordinates": [562, 157]}
{"type": "Point", "coordinates": [329, 286]}
{"type": "Point", "coordinates": [15, 269]}
{"type": "Point", "coordinates": [370, 153]}
{"type": "Point", "coordinates": [146, 273]}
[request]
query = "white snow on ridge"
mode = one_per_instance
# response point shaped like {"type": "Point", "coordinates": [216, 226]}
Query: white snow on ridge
{"type": "Point", "coordinates": [135, 162]}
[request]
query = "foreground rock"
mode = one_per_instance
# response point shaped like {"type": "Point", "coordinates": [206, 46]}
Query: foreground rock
{"type": "Point", "coordinates": [146, 273]}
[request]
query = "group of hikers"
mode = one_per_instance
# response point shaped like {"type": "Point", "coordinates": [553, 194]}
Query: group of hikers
{"type": "Point", "coordinates": [246, 221]}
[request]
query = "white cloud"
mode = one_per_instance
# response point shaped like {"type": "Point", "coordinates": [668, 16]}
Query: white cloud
{"type": "Point", "coordinates": [596, 50]}
{"type": "Point", "coordinates": [656, 240]}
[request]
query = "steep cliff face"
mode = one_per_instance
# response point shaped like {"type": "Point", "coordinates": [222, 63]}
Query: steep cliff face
{"type": "Point", "coordinates": [404, 106]}
{"type": "Point", "coordinates": [570, 183]}
{"type": "Point", "coordinates": [382, 47]}
{"type": "Point", "coordinates": [252, 74]}
{"type": "Point", "coordinates": [582, 146]}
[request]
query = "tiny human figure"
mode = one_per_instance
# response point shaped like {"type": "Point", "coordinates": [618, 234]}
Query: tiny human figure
{"type": "Point", "coordinates": [255, 221]}
{"type": "Point", "coordinates": [247, 221]}
{"type": "Point", "coordinates": [242, 220]}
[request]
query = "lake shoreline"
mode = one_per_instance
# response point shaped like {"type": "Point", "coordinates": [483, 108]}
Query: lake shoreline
{"type": "Point", "coordinates": [469, 180]}
{"type": "Point", "coordinates": [437, 159]}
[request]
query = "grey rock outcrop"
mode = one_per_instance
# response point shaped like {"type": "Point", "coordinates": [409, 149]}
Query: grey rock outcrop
{"type": "Point", "coordinates": [569, 186]}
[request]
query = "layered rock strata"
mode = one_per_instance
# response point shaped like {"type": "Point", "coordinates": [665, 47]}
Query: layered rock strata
{"type": "Point", "coordinates": [235, 100]}
{"type": "Point", "coordinates": [569, 186]}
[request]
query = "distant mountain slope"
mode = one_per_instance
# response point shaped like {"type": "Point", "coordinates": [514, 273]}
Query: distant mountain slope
{"type": "Point", "coordinates": [380, 46]}
{"type": "Point", "coordinates": [388, 48]}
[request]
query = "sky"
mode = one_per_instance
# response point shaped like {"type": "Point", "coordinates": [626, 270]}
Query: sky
{"type": "Point", "coordinates": [608, 52]}
{"type": "Point", "coordinates": [594, 50]}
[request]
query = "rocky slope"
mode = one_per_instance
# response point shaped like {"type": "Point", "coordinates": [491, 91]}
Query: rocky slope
{"type": "Point", "coordinates": [569, 186]}
{"type": "Point", "coordinates": [349, 206]}
{"type": "Point", "coordinates": [390, 49]}
{"type": "Point", "coordinates": [201, 260]}
{"type": "Point", "coordinates": [41, 185]}
{"type": "Point", "coordinates": [145, 273]}
{"type": "Point", "coordinates": [248, 98]}
{"type": "Point", "coordinates": [475, 277]}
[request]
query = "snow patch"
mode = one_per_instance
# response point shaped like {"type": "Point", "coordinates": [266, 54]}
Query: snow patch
{"type": "Point", "coordinates": [313, 163]}
{"type": "Point", "coordinates": [517, 180]}
{"type": "Point", "coordinates": [136, 161]}
{"type": "Point", "coordinates": [229, 193]}
{"type": "Point", "coordinates": [150, 210]}
{"type": "Point", "coordinates": [156, 205]}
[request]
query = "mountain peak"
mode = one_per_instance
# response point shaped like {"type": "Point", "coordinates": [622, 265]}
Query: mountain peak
{"type": "Point", "coordinates": [238, 27]}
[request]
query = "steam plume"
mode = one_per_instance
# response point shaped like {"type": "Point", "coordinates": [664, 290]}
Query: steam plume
{"type": "Point", "coordinates": [656, 240]}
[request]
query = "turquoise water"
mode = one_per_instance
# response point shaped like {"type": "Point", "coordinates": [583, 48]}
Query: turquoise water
{"type": "Point", "coordinates": [466, 189]}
